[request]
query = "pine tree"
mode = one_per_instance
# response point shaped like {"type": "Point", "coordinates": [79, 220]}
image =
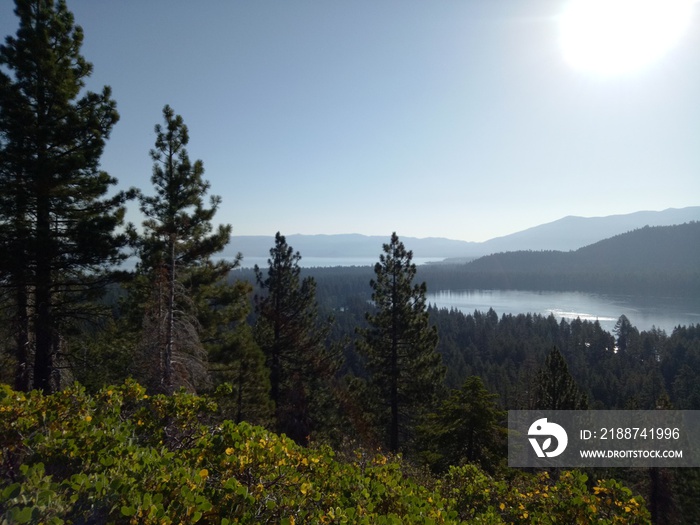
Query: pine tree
{"type": "Point", "coordinates": [235, 359]}
{"type": "Point", "coordinates": [175, 256]}
{"type": "Point", "coordinates": [400, 345]}
{"type": "Point", "coordinates": [57, 224]}
{"type": "Point", "coordinates": [467, 426]}
{"type": "Point", "coordinates": [556, 389]}
{"type": "Point", "coordinates": [627, 335]}
{"type": "Point", "coordinates": [293, 338]}
{"type": "Point", "coordinates": [239, 366]}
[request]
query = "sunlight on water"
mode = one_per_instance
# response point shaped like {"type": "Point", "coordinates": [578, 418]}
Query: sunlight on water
{"type": "Point", "coordinates": [643, 312]}
{"type": "Point", "coordinates": [561, 314]}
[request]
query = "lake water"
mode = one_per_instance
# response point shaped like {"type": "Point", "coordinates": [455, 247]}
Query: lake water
{"type": "Point", "coordinates": [665, 313]}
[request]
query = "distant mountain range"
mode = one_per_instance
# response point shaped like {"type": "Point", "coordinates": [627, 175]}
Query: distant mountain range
{"type": "Point", "coordinates": [572, 233]}
{"type": "Point", "coordinates": [568, 233]}
{"type": "Point", "coordinates": [348, 245]}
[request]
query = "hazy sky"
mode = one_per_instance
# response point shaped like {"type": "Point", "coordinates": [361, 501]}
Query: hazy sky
{"type": "Point", "coordinates": [457, 119]}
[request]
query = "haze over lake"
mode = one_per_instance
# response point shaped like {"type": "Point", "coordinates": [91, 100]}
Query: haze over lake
{"type": "Point", "coordinates": [643, 312]}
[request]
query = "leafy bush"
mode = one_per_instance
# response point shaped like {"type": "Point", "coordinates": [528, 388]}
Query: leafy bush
{"type": "Point", "coordinates": [121, 456]}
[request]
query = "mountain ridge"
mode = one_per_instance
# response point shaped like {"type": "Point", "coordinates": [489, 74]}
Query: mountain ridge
{"type": "Point", "coordinates": [656, 261]}
{"type": "Point", "coordinates": [573, 232]}
{"type": "Point", "coordinates": [565, 234]}
{"type": "Point", "coordinates": [649, 249]}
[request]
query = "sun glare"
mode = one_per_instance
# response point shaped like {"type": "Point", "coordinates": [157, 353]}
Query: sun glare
{"type": "Point", "coordinates": [614, 37]}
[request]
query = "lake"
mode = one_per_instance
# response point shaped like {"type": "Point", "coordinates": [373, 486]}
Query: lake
{"type": "Point", "coordinates": [643, 312]}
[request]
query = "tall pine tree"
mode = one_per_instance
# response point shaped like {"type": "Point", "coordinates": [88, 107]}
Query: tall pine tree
{"type": "Point", "coordinates": [175, 257]}
{"type": "Point", "coordinates": [400, 345]}
{"type": "Point", "coordinates": [57, 224]}
{"type": "Point", "coordinates": [293, 338]}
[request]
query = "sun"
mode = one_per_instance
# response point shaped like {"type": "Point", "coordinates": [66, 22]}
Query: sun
{"type": "Point", "coordinates": [615, 37]}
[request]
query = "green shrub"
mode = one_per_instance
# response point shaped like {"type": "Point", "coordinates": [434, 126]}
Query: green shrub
{"type": "Point", "coordinates": [121, 456]}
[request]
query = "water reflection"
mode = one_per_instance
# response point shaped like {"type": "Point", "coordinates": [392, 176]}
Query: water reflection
{"type": "Point", "coordinates": [643, 312]}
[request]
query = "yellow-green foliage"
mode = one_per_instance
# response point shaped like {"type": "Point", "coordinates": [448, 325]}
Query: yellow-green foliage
{"type": "Point", "coordinates": [121, 456]}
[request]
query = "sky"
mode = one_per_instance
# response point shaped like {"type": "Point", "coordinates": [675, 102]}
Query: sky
{"type": "Point", "coordinates": [458, 119]}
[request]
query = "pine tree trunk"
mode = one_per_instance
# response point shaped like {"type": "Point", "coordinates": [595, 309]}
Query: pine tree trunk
{"type": "Point", "coordinates": [275, 365]}
{"type": "Point", "coordinates": [44, 323]}
{"type": "Point", "coordinates": [394, 394]}
{"type": "Point", "coordinates": [170, 325]}
{"type": "Point", "coordinates": [42, 250]}
{"type": "Point", "coordinates": [239, 401]}
{"type": "Point", "coordinates": [394, 400]}
{"type": "Point", "coordinates": [22, 339]}
{"type": "Point", "coordinates": [21, 282]}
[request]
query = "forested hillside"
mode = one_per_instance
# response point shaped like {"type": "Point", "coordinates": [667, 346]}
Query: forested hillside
{"type": "Point", "coordinates": [660, 260]}
{"type": "Point", "coordinates": [650, 249]}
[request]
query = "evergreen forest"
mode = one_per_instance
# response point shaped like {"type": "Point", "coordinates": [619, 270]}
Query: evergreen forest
{"type": "Point", "coordinates": [189, 390]}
